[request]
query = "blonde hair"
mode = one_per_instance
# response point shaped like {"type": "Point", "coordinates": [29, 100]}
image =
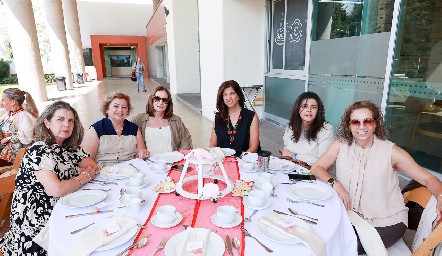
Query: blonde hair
{"type": "Point", "coordinates": [20, 96]}
{"type": "Point", "coordinates": [115, 95]}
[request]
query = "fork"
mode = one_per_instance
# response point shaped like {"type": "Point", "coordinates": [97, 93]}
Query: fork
{"type": "Point", "coordinates": [134, 166]}
{"type": "Point", "coordinates": [293, 201]}
{"type": "Point", "coordinates": [246, 233]}
{"type": "Point", "coordinates": [105, 190]}
{"type": "Point", "coordinates": [161, 245]}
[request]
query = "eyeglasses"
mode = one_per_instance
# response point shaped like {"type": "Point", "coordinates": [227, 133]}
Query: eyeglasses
{"type": "Point", "coordinates": [368, 122]}
{"type": "Point", "coordinates": [165, 100]}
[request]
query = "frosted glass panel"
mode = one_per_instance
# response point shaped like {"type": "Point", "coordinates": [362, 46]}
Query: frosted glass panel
{"type": "Point", "coordinates": [280, 95]}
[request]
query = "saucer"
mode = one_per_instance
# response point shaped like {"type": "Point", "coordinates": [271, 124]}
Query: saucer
{"type": "Point", "coordinates": [142, 185]}
{"type": "Point", "coordinates": [124, 203]}
{"type": "Point", "coordinates": [248, 205]}
{"type": "Point", "coordinates": [244, 170]}
{"type": "Point", "coordinates": [155, 171]}
{"type": "Point", "coordinates": [158, 224]}
{"type": "Point", "coordinates": [218, 223]}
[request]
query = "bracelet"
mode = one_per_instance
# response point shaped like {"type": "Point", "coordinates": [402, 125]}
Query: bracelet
{"type": "Point", "coordinates": [79, 180]}
{"type": "Point", "coordinates": [87, 175]}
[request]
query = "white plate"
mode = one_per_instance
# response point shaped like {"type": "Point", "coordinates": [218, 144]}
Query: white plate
{"type": "Point", "coordinates": [82, 198]}
{"type": "Point", "coordinates": [278, 236]}
{"type": "Point", "coordinates": [159, 224]}
{"type": "Point", "coordinates": [123, 171]}
{"type": "Point", "coordinates": [309, 191]}
{"type": "Point", "coordinates": [164, 171]}
{"type": "Point", "coordinates": [228, 151]}
{"type": "Point", "coordinates": [248, 205]}
{"type": "Point", "coordinates": [218, 223]}
{"type": "Point", "coordinates": [118, 241]}
{"type": "Point", "coordinates": [170, 157]}
{"type": "Point", "coordinates": [215, 245]}
{"type": "Point", "coordinates": [142, 185]}
{"type": "Point", "coordinates": [106, 176]}
{"type": "Point", "coordinates": [276, 164]}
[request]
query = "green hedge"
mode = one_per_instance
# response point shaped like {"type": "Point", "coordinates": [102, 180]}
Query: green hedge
{"type": "Point", "coordinates": [9, 80]}
{"type": "Point", "coordinates": [50, 78]}
{"type": "Point", "coordinates": [4, 69]}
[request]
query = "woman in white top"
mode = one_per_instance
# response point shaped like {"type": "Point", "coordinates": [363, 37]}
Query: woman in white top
{"type": "Point", "coordinates": [307, 135]}
{"type": "Point", "coordinates": [17, 124]}
{"type": "Point", "coordinates": [161, 129]}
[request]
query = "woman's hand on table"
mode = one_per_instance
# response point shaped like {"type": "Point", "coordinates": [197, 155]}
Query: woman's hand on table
{"type": "Point", "coordinates": [89, 170]}
{"type": "Point", "coordinates": [286, 152]}
{"type": "Point", "coordinates": [143, 153]}
{"type": "Point", "coordinates": [342, 193]}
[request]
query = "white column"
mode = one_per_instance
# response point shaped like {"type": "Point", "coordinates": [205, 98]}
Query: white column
{"type": "Point", "coordinates": [73, 35]}
{"type": "Point", "coordinates": [57, 38]}
{"type": "Point", "coordinates": [23, 34]}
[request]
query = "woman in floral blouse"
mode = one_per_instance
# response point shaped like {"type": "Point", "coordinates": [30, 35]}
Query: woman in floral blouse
{"type": "Point", "coordinates": [53, 167]}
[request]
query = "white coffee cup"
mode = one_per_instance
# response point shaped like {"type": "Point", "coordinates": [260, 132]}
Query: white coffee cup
{"type": "Point", "coordinates": [131, 193]}
{"type": "Point", "coordinates": [134, 205]}
{"type": "Point", "coordinates": [226, 214]}
{"type": "Point", "coordinates": [159, 165]}
{"type": "Point", "coordinates": [166, 213]}
{"type": "Point", "coordinates": [267, 188]}
{"type": "Point", "coordinates": [261, 180]}
{"type": "Point", "coordinates": [256, 198]}
{"type": "Point", "coordinates": [136, 179]}
{"type": "Point", "coordinates": [248, 164]}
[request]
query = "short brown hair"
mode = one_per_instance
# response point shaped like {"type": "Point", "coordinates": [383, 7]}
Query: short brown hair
{"type": "Point", "coordinates": [221, 106]}
{"type": "Point", "coordinates": [149, 106]}
{"type": "Point", "coordinates": [344, 132]}
{"type": "Point", "coordinates": [115, 95]}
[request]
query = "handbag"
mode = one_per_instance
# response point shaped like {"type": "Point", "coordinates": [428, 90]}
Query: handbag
{"type": "Point", "coordinates": [133, 77]}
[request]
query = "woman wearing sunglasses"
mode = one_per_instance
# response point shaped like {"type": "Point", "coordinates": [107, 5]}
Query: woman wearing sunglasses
{"type": "Point", "coordinates": [114, 139]}
{"type": "Point", "coordinates": [308, 135]}
{"type": "Point", "coordinates": [162, 131]}
{"type": "Point", "coordinates": [366, 172]}
{"type": "Point", "coordinates": [235, 126]}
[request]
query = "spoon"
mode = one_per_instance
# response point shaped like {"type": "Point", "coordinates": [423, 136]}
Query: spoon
{"type": "Point", "coordinates": [140, 243]}
{"type": "Point", "coordinates": [122, 190]}
{"type": "Point", "coordinates": [250, 217]}
{"type": "Point", "coordinates": [236, 244]}
{"type": "Point", "coordinates": [273, 192]}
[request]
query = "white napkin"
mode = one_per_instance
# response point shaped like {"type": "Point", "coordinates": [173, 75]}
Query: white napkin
{"type": "Point", "coordinates": [194, 235]}
{"type": "Point", "coordinates": [89, 244]}
{"type": "Point", "coordinates": [122, 171]}
{"type": "Point", "coordinates": [308, 238]}
{"type": "Point", "coordinates": [370, 238]}
{"type": "Point", "coordinates": [42, 238]}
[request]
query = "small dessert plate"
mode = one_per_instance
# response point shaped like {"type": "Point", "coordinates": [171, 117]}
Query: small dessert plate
{"type": "Point", "coordinates": [218, 223]}
{"type": "Point", "coordinates": [156, 171]}
{"type": "Point", "coordinates": [159, 224]}
{"type": "Point", "coordinates": [261, 207]}
{"type": "Point", "coordinates": [142, 185]}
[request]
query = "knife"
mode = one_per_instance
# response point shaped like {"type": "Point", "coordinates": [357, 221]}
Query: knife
{"type": "Point", "coordinates": [229, 245]}
{"type": "Point", "coordinates": [84, 214]}
{"type": "Point", "coordinates": [308, 221]}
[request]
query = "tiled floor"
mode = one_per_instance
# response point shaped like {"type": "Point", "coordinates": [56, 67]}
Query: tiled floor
{"type": "Point", "coordinates": [86, 99]}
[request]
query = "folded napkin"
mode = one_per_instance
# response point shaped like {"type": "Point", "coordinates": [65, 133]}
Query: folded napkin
{"type": "Point", "coordinates": [117, 171]}
{"type": "Point", "coordinates": [42, 238]}
{"type": "Point", "coordinates": [370, 238]}
{"type": "Point", "coordinates": [194, 237]}
{"type": "Point", "coordinates": [100, 237]}
{"type": "Point", "coordinates": [308, 238]}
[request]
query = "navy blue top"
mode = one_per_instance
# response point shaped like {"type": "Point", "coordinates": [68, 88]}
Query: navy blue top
{"type": "Point", "coordinates": [104, 127]}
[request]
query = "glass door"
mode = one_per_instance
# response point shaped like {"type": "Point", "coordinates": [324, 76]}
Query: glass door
{"type": "Point", "coordinates": [107, 62]}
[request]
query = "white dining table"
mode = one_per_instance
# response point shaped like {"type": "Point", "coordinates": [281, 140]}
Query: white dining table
{"type": "Point", "coordinates": [333, 227]}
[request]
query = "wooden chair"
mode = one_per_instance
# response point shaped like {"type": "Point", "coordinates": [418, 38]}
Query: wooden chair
{"type": "Point", "coordinates": [7, 185]}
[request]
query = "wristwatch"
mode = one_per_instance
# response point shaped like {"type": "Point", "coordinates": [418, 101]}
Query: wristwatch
{"type": "Point", "coordinates": [331, 181]}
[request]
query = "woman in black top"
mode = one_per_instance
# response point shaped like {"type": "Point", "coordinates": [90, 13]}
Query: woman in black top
{"type": "Point", "coordinates": [235, 126]}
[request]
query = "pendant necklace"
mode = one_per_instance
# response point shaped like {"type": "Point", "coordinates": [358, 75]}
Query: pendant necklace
{"type": "Point", "coordinates": [231, 132]}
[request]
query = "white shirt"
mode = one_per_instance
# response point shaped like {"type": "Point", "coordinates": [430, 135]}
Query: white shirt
{"type": "Point", "coordinates": [158, 140]}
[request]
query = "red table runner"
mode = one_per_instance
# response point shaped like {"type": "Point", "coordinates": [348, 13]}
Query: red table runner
{"type": "Point", "coordinates": [196, 213]}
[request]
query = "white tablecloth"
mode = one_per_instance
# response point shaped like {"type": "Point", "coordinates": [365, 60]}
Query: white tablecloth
{"type": "Point", "coordinates": [334, 226]}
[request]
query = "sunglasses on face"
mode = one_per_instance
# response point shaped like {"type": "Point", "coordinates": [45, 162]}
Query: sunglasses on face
{"type": "Point", "coordinates": [156, 98]}
{"type": "Point", "coordinates": [368, 122]}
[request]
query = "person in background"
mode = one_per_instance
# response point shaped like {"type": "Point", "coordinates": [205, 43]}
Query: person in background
{"type": "Point", "coordinates": [17, 124]}
{"type": "Point", "coordinates": [234, 126]}
{"type": "Point", "coordinates": [161, 129]}
{"type": "Point", "coordinates": [53, 166]}
{"type": "Point", "coordinates": [367, 166]}
{"type": "Point", "coordinates": [114, 139]}
{"type": "Point", "coordinates": [307, 135]}
{"type": "Point", "coordinates": [138, 68]}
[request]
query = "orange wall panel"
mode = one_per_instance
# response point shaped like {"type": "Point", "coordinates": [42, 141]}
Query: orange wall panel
{"type": "Point", "coordinates": [98, 43]}
{"type": "Point", "coordinates": [156, 27]}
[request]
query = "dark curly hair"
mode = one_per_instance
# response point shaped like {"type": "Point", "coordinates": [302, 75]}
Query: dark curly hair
{"type": "Point", "coordinates": [149, 106]}
{"type": "Point", "coordinates": [344, 132]}
{"type": "Point", "coordinates": [295, 122]}
{"type": "Point", "coordinates": [115, 95]}
{"type": "Point", "coordinates": [41, 133]}
{"type": "Point", "coordinates": [223, 110]}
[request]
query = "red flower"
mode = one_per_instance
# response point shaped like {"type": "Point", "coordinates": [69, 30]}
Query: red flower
{"type": "Point", "coordinates": [229, 132]}
{"type": "Point", "coordinates": [234, 131]}
{"type": "Point", "coordinates": [231, 140]}
{"type": "Point", "coordinates": [239, 117]}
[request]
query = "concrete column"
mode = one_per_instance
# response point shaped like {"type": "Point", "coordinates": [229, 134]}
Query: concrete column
{"type": "Point", "coordinates": [70, 13]}
{"type": "Point", "coordinates": [57, 38]}
{"type": "Point", "coordinates": [23, 34]}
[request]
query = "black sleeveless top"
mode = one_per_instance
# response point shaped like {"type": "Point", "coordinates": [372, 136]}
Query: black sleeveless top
{"type": "Point", "coordinates": [242, 136]}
